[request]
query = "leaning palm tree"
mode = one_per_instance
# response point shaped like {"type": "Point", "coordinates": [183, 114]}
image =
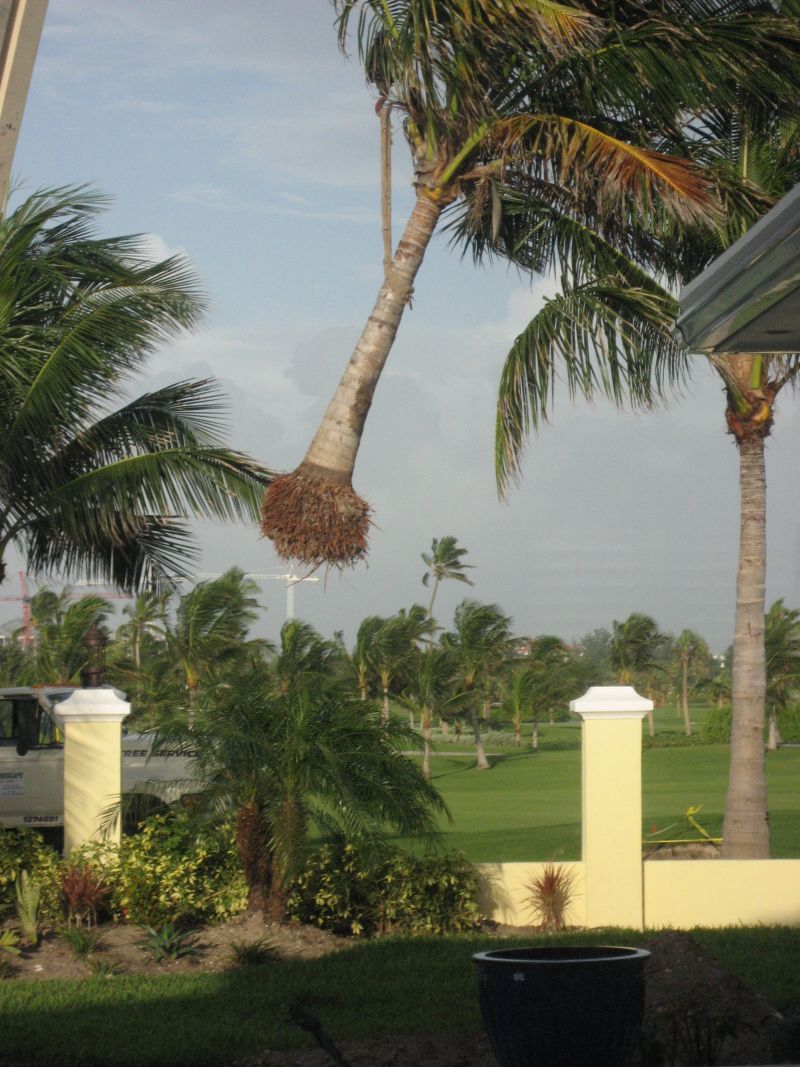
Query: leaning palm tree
{"type": "Point", "coordinates": [498, 97]}
{"type": "Point", "coordinates": [444, 563]}
{"type": "Point", "coordinates": [87, 486]}
{"type": "Point", "coordinates": [61, 623]}
{"type": "Point", "coordinates": [610, 330]}
{"type": "Point", "coordinates": [479, 644]}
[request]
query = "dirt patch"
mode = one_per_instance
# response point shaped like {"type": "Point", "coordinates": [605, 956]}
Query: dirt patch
{"type": "Point", "coordinates": [121, 947]}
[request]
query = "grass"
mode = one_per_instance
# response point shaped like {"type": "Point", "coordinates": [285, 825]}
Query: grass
{"type": "Point", "coordinates": [212, 1019]}
{"type": "Point", "coordinates": [527, 807]}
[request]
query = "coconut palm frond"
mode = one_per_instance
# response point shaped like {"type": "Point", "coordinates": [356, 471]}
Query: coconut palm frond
{"type": "Point", "coordinates": [608, 338]}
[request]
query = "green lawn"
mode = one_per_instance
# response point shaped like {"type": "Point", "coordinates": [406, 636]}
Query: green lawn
{"type": "Point", "coordinates": [527, 807]}
{"type": "Point", "coordinates": [213, 1019]}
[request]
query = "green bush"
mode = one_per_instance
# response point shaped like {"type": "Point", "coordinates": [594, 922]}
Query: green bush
{"type": "Point", "coordinates": [24, 849]}
{"type": "Point", "coordinates": [342, 891]}
{"type": "Point", "coordinates": [176, 870]}
{"type": "Point", "coordinates": [789, 724]}
{"type": "Point", "coordinates": [717, 727]}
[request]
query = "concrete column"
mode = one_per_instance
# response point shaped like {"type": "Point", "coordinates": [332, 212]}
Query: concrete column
{"type": "Point", "coordinates": [612, 803]}
{"type": "Point", "coordinates": [92, 723]}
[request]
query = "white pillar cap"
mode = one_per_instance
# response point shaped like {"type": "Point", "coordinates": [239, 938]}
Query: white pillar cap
{"type": "Point", "coordinates": [93, 705]}
{"type": "Point", "coordinates": [611, 702]}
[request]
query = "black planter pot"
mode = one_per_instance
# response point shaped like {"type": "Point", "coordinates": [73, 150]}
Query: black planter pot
{"type": "Point", "coordinates": [562, 1006]}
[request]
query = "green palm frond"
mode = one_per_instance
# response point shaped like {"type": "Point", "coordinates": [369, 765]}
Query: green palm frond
{"type": "Point", "coordinates": [82, 487]}
{"type": "Point", "coordinates": [609, 337]}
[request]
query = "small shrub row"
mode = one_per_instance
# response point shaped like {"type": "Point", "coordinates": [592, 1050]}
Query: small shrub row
{"type": "Point", "coordinates": [346, 892]}
{"type": "Point", "coordinates": [176, 870]}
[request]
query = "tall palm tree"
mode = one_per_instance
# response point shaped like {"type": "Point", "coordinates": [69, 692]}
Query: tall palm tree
{"type": "Point", "coordinates": [506, 97]}
{"type": "Point", "coordinates": [444, 563]}
{"type": "Point", "coordinates": [610, 330]}
{"type": "Point", "coordinates": [310, 755]}
{"type": "Point", "coordinates": [479, 644]}
{"type": "Point", "coordinates": [86, 486]}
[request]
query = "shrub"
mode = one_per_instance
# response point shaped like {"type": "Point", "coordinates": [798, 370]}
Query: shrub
{"type": "Point", "coordinates": [717, 727]}
{"type": "Point", "coordinates": [178, 870]}
{"type": "Point", "coordinates": [84, 891]}
{"type": "Point", "coordinates": [29, 901]}
{"type": "Point", "coordinates": [167, 942]}
{"type": "Point", "coordinates": [550, 895]}
{"type": "Point", "coordinates": [253, 953]}
{"type": "Point", "coordinates": [82, 941]}
{"type": "Point", "coordinates": [24, 849]}
{"type": "Point", "coordinates": [342, 891]}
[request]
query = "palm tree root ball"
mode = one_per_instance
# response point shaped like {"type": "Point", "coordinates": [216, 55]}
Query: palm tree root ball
{"type": "Point", "coordinates": [315, 521]}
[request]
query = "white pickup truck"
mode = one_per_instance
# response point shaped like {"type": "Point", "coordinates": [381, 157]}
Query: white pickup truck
{"type": "Point", "coordinates": [32, 762]}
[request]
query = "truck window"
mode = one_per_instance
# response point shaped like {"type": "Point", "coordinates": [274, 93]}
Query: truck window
{"type": "Point", "coordinates": [24, 720]}
{"type": "Point", "coordinates": [6, 723]}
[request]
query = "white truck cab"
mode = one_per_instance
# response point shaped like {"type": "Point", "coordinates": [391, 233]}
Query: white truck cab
{"type": "Point", "coordinates": [32, 761]}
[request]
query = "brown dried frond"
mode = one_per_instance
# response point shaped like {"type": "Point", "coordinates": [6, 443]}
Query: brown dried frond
{"type": "Point", "coordinates": [315, 521]}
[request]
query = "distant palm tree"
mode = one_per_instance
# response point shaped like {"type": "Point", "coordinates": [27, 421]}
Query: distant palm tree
{"type": "Point", "coordinates": [782, 642]}
{"type": "Point", "coordinates": [635, 644]}
{"type": "Point", "coordinates": [394, 643]}
{"type": "Point", "coordinates": [692, 652]}
{"type": "Point", "coordinates": [60, 626]}
{"type": "Point", "coordinates": [86, 486]}
{"type": "Point", "coordinates": [302, 657]}
{"type": "Point", "coordinates": [479, 644]}
{"type": "Point", "coordinates": [430, 685]}
{"type": "Point", "coordinates": [210, 628]}
{"type": "Point", "coordinates": [444, 563]}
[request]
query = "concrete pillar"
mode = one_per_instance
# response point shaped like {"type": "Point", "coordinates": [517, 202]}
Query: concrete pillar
{"type": "Point", "coordinates": [92, 723]}
{"type": "Point", "coordinates": [612, 803]}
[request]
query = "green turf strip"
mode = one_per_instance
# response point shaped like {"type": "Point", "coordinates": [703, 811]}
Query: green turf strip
{"type": "Point", "coordinates": [212, 1019]}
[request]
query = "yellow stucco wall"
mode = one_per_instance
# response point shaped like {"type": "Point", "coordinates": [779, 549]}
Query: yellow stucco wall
{"type": "Point", "coordinates": [92, 777]}
{"type": "Point", "coordinates": [685, 893]}
{"type": "Point", "coordinates": [505, 892]}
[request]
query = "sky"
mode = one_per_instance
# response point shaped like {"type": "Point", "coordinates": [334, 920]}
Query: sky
{"type": "Point", "coordinates": [238, 135]}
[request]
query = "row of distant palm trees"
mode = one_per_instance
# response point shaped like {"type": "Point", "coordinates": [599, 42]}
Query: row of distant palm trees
{"type": "Point", "coordinates": [170, 648]}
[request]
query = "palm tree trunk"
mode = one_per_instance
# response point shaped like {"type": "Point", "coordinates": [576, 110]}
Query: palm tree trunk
{"type": "Point", "coordinates": [773, 734]}
{"type": "Point", "coordinates": [480, 753]}
{"type": "Point", "coordinates": [312, 514]}
{"type": "Point", "coordinates": [251, 846]}
{"type": "Point", "coordinates": [687, 724]}
{"type": "Point", "coordinates": [426, 746]}
{"type": "Point", "coordinates": [745, 829]}
{"type": "Point", "coordinates": [535, 734]}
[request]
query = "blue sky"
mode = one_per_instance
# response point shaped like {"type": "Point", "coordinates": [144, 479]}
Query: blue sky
{"type": "Point", "coordinates": [238, 135]}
